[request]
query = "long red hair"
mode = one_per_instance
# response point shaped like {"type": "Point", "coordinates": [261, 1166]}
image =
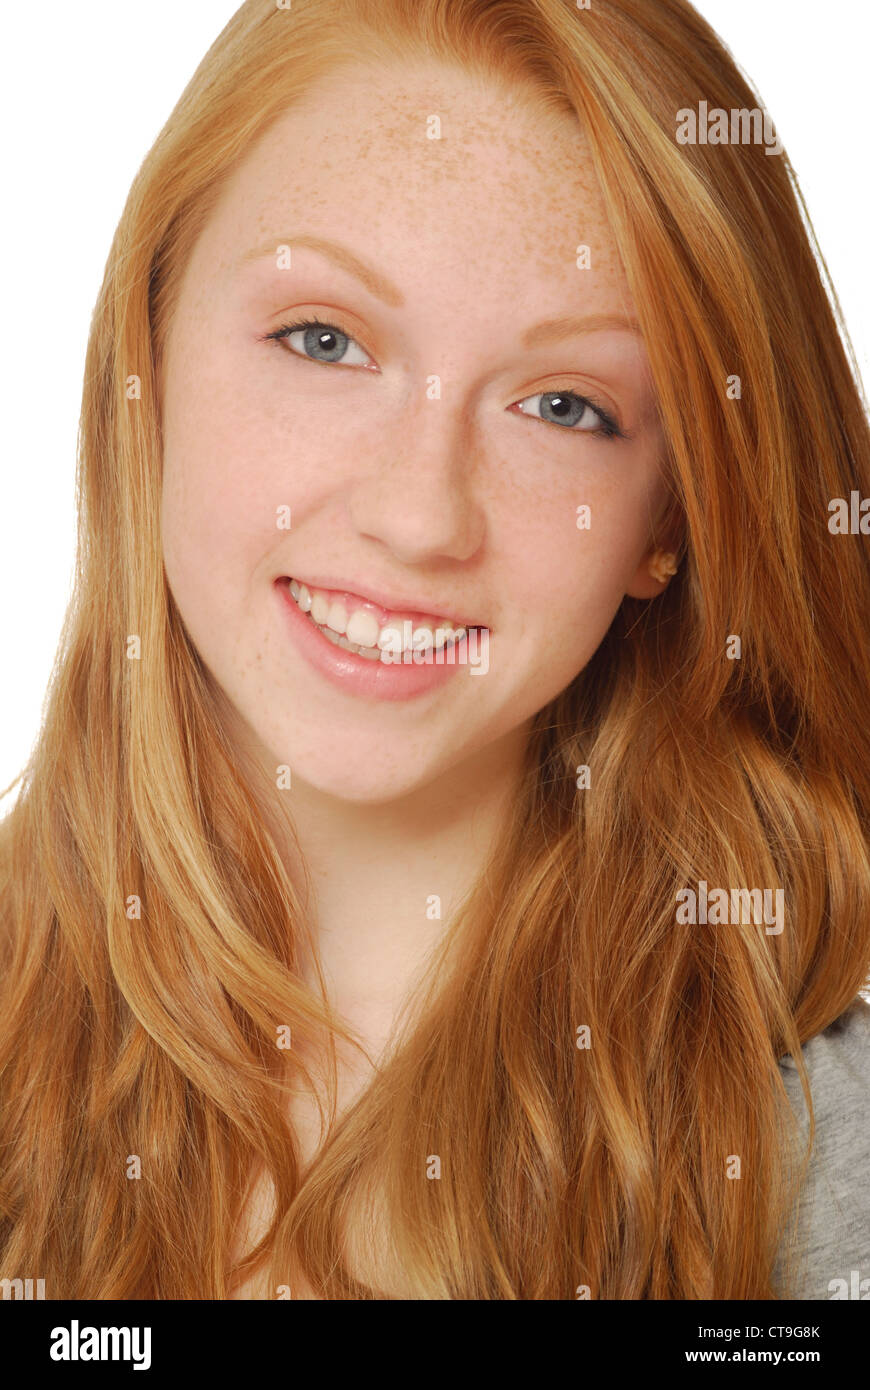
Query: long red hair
{"type": "Point", "coordinates": [562, 1167]}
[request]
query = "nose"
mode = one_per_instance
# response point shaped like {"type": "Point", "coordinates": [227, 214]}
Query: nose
{"type": "Point", "coordinates": [420, 501]}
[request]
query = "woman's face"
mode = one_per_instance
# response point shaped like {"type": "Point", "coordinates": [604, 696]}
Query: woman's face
{"type": "Point", "coordinates": [429, 445]}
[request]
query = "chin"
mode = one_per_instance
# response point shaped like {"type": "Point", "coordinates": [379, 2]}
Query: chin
{"type": "Point", "coordinates": [363, 786]}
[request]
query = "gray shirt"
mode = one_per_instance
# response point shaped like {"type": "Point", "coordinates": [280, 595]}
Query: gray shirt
{"type": "Point", "coordinates": [834, 1208]}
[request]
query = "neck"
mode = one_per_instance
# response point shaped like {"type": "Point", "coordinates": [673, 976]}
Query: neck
{"type": "Point", "coordinates": [386, 878]}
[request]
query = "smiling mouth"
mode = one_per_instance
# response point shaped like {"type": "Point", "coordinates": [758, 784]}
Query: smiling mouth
{"type": "Point", "coordinates": [351, 622]}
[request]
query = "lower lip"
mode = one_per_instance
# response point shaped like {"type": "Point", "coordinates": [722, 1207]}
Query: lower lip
{"type": "Point", "coordinates": [356, 675]}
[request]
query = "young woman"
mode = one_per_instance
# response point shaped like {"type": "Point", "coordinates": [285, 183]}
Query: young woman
{"type": "Point", "coordinates": [444, 869]}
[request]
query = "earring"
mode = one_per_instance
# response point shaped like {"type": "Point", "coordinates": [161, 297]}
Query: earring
{"type": "Point", "coordinates": [662, 565]}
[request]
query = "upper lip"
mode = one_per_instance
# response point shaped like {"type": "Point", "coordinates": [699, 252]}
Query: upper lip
{"type": "Point", "coordinates": [391, 603]}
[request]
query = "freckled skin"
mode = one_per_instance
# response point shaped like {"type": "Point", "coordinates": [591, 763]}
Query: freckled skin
{"type": "Point", "coordinates": [462, 498]}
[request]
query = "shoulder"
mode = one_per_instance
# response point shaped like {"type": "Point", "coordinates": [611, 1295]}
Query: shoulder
{"type": "Point", "coordinates": [836, 1061]}
{"type": "Point", "coordinates": [834, 1216]}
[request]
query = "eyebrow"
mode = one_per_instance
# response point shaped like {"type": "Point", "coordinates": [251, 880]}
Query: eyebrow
{"type": "Point", "coordinates": [378, 284]}
{"type": "Point", "coordinates": [552, 331]}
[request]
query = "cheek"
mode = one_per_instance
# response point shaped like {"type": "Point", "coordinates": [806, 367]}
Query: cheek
{"type": "Point", "coordinates": [216, 518]}
{"type": "Point", "coordinates": [240, 448]}
{"type": "Point", "coordinates": [226, 476]}
{"type": "Point", "coordinates": [568, 580]}
{"type": "Point", "coordinates": [575, 532]}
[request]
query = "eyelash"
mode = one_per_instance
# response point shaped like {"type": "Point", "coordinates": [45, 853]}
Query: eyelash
{"type": "Point", "coordinates": [609, 429]}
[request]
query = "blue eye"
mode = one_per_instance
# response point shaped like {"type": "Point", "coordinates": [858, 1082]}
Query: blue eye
{"type": "Point", "coordinates": [320, 342]}
{"type": "Point", "coordinates": [573, 412]}
{"type": "Point", "coordinates": [327, 343]}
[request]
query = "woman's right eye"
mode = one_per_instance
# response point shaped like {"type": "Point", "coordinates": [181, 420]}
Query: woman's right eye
{"type": "Point", "coordinates": [321, 342]}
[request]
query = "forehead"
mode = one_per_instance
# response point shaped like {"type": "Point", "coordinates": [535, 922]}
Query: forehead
{"type": "Point", "coordinates": [438, 168]}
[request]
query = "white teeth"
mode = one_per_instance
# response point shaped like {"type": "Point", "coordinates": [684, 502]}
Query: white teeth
{"type": "Point", "coordinates": [363, 629]}
{"type": "Point", "coordinates": [362, 634]}
{"type": "Point", "coordinates": [320, 609]}
{"type": "Point", "coordinates": [336, 618]}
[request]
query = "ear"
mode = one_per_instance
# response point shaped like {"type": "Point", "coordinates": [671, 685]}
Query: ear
{"type": "Point", "coordinates": [651, 582]}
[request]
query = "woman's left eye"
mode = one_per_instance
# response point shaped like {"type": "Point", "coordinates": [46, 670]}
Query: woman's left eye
{"type": "Point", "coordinates": [326, 342]}
{"type": "Point", "coordinates": [571, 411]}
{"type": "Point", "coordinates": [321, 342]}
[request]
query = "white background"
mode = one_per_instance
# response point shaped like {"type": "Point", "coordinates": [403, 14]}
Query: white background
{"type": "Point", "coordinates": [86, 90]}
